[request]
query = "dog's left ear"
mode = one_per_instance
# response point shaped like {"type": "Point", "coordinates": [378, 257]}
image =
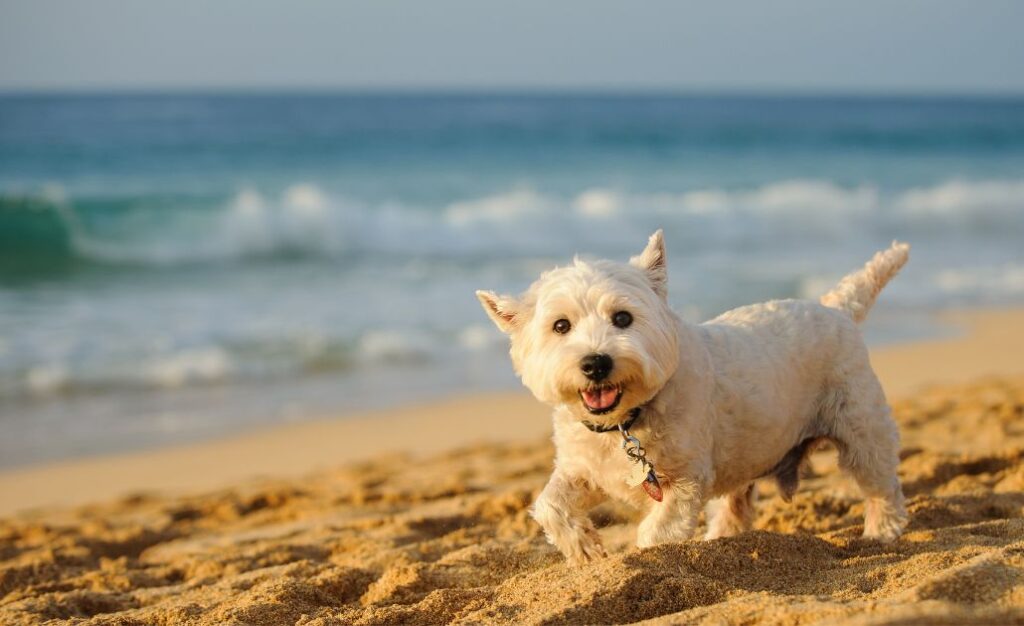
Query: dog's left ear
{"type": "Point", "coordinates": [652, 261]}
{"type": "Point", "coordinates": [503, 310]}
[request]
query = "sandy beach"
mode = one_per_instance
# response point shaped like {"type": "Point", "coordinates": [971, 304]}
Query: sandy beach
{"type": "Point", "coordinates": [419, 515]}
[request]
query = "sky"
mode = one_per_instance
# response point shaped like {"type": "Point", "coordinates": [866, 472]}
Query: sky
{"type": "Point", "coordinates": [894, 46]}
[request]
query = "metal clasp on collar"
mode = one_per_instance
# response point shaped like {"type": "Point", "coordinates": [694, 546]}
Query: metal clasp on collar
{"type": "Point", "coordinates": [643, 470]}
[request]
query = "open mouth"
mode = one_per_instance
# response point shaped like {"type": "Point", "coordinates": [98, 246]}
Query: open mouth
{"type": "Point", "coordinates": [600, 400]}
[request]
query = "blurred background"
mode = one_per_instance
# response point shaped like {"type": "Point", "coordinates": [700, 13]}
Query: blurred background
{"type": "Point", "coordinates": [218, 215]}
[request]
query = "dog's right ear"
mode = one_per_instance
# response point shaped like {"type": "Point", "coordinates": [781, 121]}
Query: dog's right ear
{"type": "Point", "coordinates": [652, 262]}
{"type": "Point", "coordinates": [502, 309]}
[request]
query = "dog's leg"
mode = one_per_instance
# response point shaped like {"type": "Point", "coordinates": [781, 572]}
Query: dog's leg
{"type": "Point", "coordinates": [868, 441]}
{"type": "Point", "coordinates": [732, 514]}
{"type": "Point", "coordinates": [673, 519]}
{"type": "Point", "coordinates": [561, 510]}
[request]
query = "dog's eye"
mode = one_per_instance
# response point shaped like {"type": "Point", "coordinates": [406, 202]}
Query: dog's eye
{"type": "Point", "coordinates": [562, 326]}
{"type": "Point", "coordinates": [622, 319]}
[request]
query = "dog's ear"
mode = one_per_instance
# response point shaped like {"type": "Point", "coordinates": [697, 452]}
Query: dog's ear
{"type": "Point", "coordinates": [502, 309]}
{"type": "Point", "coordinates": [652, 261]}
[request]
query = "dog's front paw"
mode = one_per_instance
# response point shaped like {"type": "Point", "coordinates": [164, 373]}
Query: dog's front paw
{"type": "Point", "coordinates": [581, 546]}
{"type": "Point", "coordinates": [575, 538]}
{"type": "Point", "coordinates": [592, 546]}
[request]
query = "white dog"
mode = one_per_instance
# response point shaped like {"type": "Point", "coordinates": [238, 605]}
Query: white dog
{"type": "Point", "coordinates": [665, 415]}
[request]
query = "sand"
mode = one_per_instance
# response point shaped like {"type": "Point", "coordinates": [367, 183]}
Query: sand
{"type": "Point", "coordinates": [437, 534]}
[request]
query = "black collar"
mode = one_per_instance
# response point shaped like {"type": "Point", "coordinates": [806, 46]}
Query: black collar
{"type": "Point", "coordinates": [633, 416]}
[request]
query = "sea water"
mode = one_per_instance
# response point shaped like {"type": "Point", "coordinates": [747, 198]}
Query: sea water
{"type": "Point", "coordinates": [178, 266]}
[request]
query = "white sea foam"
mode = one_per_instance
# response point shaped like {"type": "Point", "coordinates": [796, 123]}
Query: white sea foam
{"type": "Point", "coordinates": [305, 199]}
{"type": "Point", "coordinates": [304, 220]}
{"type": "Point", "coordinates": [393, 346]}
{"type": "Point", "coordinates": [784, 198]}
{"type": "Point", "coordinates": [707, 201]}
{"type": "Point", "coordinates": [246, 223]}
{"type": "Point", "coordinates": [960, 197]}
{"type": "Point", "coordinates": [253, 361]}
{"type": "Point", "coordinates": [809, 197]}
{"type": "Point", "coordinates": [200, 365]}
{"type": "Point", "coordinates": [55, 193]}
{"type": "Point", "coordinates": [46, 379]}
{"type": "Point", "coordinates": [999, 281]}
{"type": "Point", "coordinates": [168, 422]}
{"type": "Point", "coordinates": [814, 286]}
{"type": "Point", "coordinates": [513, 206]}
{"type": "Point", "coordinates": [478, 337]}
{"type": "Point", "coordinates": [600, 203]}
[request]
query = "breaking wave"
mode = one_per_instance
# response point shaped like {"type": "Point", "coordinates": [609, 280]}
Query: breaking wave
{"type": "Point", "coordinates": [50, 229]}
{"type": "Point", "coordinates": [225, 362]}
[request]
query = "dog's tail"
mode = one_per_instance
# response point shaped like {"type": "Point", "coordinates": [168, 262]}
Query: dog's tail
{"type": "Point", "coordinates": [856, 293]}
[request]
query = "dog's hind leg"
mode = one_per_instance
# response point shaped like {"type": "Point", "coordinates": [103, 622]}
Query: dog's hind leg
{"type": "Point", "coordinates": [868, 442]}
{"type": "Point", "coordinates": [732, 514]}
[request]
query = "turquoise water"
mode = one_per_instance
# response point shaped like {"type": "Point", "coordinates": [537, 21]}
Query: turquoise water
{"type": "Point", "coordinates": [177, 266]}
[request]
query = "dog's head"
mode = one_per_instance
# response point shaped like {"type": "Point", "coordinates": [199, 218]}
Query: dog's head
{"type": "Point", "coordinates": [596, 337]}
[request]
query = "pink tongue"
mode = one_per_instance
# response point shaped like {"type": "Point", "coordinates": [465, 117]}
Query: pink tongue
{"type": "Point", "coordinates": [601, 398]}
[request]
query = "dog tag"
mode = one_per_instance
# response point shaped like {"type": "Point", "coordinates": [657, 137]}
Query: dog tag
{"type": "Point", "coordinates": [653, 487]}
{"type": "Point", "coordinates": [637, 474]}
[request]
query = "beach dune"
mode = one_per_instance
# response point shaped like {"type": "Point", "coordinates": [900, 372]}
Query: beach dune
{"type": "Point", "coordinates": [420, 516]}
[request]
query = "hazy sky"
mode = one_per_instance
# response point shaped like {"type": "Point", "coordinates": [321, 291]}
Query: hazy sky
{"type": "Point", "coordinates": [807, 45]}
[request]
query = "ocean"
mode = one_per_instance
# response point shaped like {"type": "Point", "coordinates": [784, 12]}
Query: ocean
{"type": "Point", "coordinates": [175, 267]}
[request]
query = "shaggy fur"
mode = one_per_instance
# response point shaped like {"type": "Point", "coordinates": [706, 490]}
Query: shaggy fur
{"type": "Point", "coordinates": [741, 397]}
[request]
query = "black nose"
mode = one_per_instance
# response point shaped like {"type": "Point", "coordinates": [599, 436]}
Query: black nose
{"type": "Point", "coordinates": [596, 367]}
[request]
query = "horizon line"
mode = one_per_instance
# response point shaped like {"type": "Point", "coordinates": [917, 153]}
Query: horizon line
{"type": "Point", "coordinates": [512, 90]}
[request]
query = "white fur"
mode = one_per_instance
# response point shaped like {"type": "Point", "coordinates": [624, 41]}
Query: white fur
{"type": "Point", "coordinates": [723, 401]}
